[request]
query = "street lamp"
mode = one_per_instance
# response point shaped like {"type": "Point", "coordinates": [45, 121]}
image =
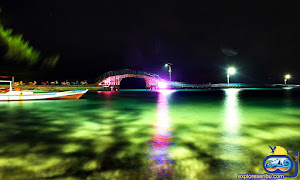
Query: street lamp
{"type": "Point", "coordinates": [170, 69]}
{"type": "Point", "coordinates": [230, 71]}
{"type": "Point", "coordinates": [286, 77]}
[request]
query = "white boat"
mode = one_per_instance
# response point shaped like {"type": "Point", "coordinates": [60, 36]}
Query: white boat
{"type": "Point", "coordinates": [36, 95]}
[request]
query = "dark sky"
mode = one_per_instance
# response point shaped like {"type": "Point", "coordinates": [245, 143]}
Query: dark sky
{"type": "Point", "coordinates": [93, 37]}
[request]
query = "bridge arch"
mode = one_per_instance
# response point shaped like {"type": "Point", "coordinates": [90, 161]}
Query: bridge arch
{"type": "Point", "coordinates": [133, 83]}
{"type": "Point", "coordinates": [114, 78]}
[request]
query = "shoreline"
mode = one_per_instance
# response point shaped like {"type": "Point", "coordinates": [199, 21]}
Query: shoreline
{"type": "Point", "coordinates": [95, 88]}
{"type": "Point", "coordinates": [57, 88]}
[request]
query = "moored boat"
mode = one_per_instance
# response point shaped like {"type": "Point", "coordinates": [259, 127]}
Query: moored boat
{"type": "Point", "coordinates": [36, 95]}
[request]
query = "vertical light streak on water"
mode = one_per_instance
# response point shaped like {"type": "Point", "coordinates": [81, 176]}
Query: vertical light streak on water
{"type": "Point", "coordinates": [159, 161]}
{"type": "Point", "coordinates": [230, 151]}
{"type": "Point", "coordinates": [231, 112]}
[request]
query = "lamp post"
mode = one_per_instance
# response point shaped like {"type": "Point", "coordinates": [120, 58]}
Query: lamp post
{"type": "Point", "coordinates": [230, 71]}
{"type": "Point", "coordinates": [286, 77]}
{"type": "Point", "coordinates": [170, 69]}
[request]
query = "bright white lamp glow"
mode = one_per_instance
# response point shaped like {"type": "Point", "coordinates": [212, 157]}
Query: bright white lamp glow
{"type": "Point", "coordinates": [231, 70]}
{"type": "Point", "coordinates": [166, 65]}
{"type": "Point", "coordinates": [286, 77]}
{"type": "Point", "coordinates": [162, 85]}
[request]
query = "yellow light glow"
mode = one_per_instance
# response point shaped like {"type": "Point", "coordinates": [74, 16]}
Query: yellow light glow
{"type": "Point", "coordinates": [288, 76]}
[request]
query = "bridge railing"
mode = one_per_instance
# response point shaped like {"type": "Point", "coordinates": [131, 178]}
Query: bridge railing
{"type": "Point", "coordinates": [126, 71]}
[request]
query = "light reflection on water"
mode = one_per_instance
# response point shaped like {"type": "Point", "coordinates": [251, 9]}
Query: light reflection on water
{"type": "Point", "coordinates": [230, 151]}
{"type": "Point", "coordinates": [232, 116]}
{"type": "Point", "coordinates": [160, 163]}
{"type": "Point", "coordinates": [147, 135]}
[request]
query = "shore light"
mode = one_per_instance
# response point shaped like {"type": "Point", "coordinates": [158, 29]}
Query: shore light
{"type": "Point", "coordinates": [162, 85]}
{"type": "Point", "coordinates": [286, 77]}
{"type": "Point", "coordinates": [230, 71]}
{"type": "Point", "coordinates": [170, 69]}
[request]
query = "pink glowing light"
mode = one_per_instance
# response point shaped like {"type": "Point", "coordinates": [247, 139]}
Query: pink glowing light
{"type": "Point", "coordinates": [162, 85]}
{"type": "Point", "coordinates": [116, 80]}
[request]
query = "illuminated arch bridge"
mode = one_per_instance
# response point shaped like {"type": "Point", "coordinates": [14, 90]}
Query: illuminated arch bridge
{"type": "Point", "coordinates": [114, 78]}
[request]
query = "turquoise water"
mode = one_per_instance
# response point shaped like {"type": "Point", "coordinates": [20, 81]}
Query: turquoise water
{"type": "Point", "coordinates": [206, 134]}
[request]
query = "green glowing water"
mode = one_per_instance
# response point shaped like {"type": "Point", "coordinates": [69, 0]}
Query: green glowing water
{"type": "Point", "coordinates": [213, 134]}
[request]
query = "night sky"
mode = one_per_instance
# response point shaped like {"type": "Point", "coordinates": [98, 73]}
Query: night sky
{"type": "Point", "coordinates": [201, 38]}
